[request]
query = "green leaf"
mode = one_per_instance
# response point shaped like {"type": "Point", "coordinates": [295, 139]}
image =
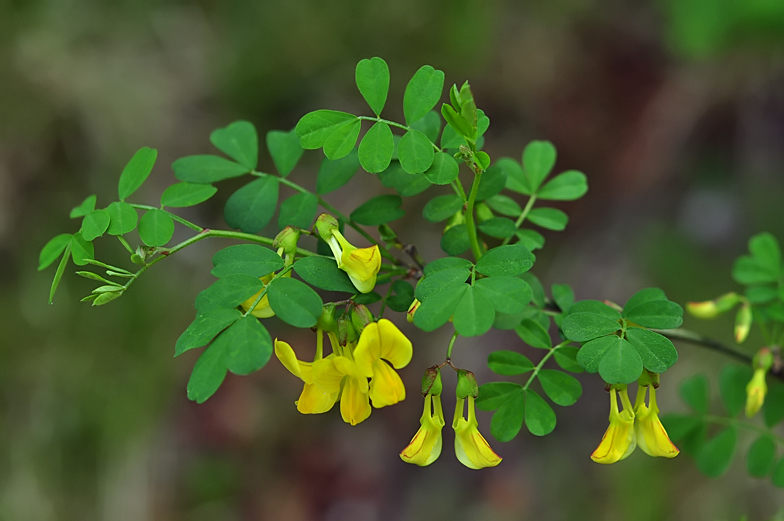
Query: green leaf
{"type": "Point", "coordinates": [343, 140]}
{"type": "Point", "coordinates": [778, 473]}
{"type": "Point", "coordinates": [422, 93]}
{"type": "Point", "coordinates": [415, 152]}
{"type": "Point", "coordinates": [58, 274]}
{"type": "Point", "coordinates": [251, 207]}
{"type": "Point", "coordinates": [122, 218]}
{"type": "Point", "coordinates": [455, 240]}
{"type": "Point", "coordinates": [294, 302]}
{"type": "Point", "coordinates": [239, 141]}
{"type": "Point", "coordinates": [504, 205]}
{"type": "Point", "coordinates": [509, 363]}
{"type": "Point", "coordinates": [531, 239]}
{"type": "Point", "coordinates": [563, 295]}
{"type": "Point", "coordinates": [204, 328]}
{"type": "Point", "coordinates": [404, 183]}
{"type": "Point", "coordinates": [657, 314]}
{"type": "Point", "coordinates": [107, 296]}
{"type": "Point", "coordinates": [298, 210]}
{"type": "Point", "coordinates": [539, 416]}
{"type": "Point", "coordinates": [206, 169]}
{"type": "Point", "coordinates": [52, 250]}
{"type": "Point", "coordinates": [442, 207]}
{"type": "Point", "coordinates": [566, 358]}
{"type": "Point", "coordinates": [156, 227]}
{"type": "Point", "coordinates": [94, 224]}
{"type": "Point", "coordinates": [510, 260]}
{"type": "Point", "coordinates": [516, 180]}
{"type": "Point", "coordinates": [549, 218]}
{"type": "Point", "coordinates": [207, 375]}
{"type": "Point", "coordinates": [498, 227]}
{"type": "Point", "coordinates": [448, 263]}
{"type": "Point", "coordinates": [87, 206]}
{"type": "Point", "coordinates": [508, 295]}
{"type": "Point", "coordinates": [379, 210]}
{"type": "Point", "coordinates": [508, 420]}
{"type": "Point", "coordinates": [324, 274]}
{"type": "Point", "coordinates": [285, 150]}
{"type": "Point", "coordinates": [372, 77]}
{"type": "Point", "coordinates": [181, 195]}
{"type": "Point", "coordinates": [315, 127]}
{"type": "Point", "coordinates": [761, 294]}
{"type": "Point", "coordinates": [594, 306]}
{"type": "Point", "coordinates": [732, 385]}
{"type": "Point", "coordinates": [136, 171]}
{"type": "Point", "coordinates": [228, 292]}
{"type": "Point", "coordinates": [567, 186]}
{"type": "Point", "coordinates": [715, 457]}
{"type": "Point", "coordinates": [492, 395]}
{"type": "Point", "coordinates": [81, 250]}
{"type": "Point", "coordinates": [761, 457]}
{"type": "Point", "coordinates": [440, 281]}
{"type": "Point", "coordinates": [747, 270]}
{"type": "Point", "coordinates": [367, 298]}
{"type": "Point", "coordinates": [533, 334]}
{"type": "Point", "coordinates": [246, 259]}
{"type": "Point", "coordinates": [474, 314]}
{"type": "Point", "coordinates": [376, 148]}
{"type": "Point", "coordinates": [493, 181]}
{"type": "Point", "coordinates": [451, 138]}
{"type": "Point", "coordinates": [561, 388]}
{"type": "Point", "coordinates": [247, 345]}
{"type": "Point", "coordinates": [334, 174]}
{"type": "Point", "coordinates": [430, 125]}
{"type": "Point", "coordinates": [591, 353]}
{"type": "Point", "coordinates": [656, 351]}
{"type": "Point", "coordinates": [773, 408]}
{"type": "Point", "coordinates": [404, 296]}
{"type": "Point", "coordinates": [582, 327]}
{"type": "Point", "coordinates": [765, 249]}
{"type": "Point", "coordinates": [483, 160]}
{"type": "Point", "coordinates": [538, 161]}
{"type": "Point", "coordinates": [436, 310]}
{"type": "Point", "coordinates": [643, 296]}
{"type": "Point", "coordinates": [621, 364]}
{"type": "Point", "coordinates": [694, 391]}
{"type": "Point", "coordinates": [443, 170]}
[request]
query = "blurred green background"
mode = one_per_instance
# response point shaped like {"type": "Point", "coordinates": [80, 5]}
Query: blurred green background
{"type": "Point", "coordinates": [674, 109]}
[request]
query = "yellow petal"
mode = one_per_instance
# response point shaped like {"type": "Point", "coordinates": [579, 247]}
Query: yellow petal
{"type": "Point", "coordinates": [471, 448]}
{"type": "Point", "coordinates": [314, 400]}
{"type": "Point", "coordinates": [618, 440]}
{"type": "Point", "coordinates": [354, 404]}
{"type": "Point", "coordinates": [288, 358]}
{"type": "Point", "coordinates": [425, 446]}
{"type": "Point", "coordinates": [652, 438]}
{"type": "Point", "coordinates": [386, 387]}
{"type": "Point", "coordinates": [362, 266]}
{"type": "Point", "coordinates": [326, 376]}
{"type": "Point", "coordinates": [382, 339]}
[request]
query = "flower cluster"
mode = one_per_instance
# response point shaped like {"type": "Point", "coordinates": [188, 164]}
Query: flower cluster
{"type": "Point", "coordinates": [357, 373]}
{"type": "Point", "coordinates": [632, 426]}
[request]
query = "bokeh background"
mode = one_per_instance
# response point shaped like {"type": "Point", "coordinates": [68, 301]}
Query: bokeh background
{"type": "Point", "coordinates": [673, 108]}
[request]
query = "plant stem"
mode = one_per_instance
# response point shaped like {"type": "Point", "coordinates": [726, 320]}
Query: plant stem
{"type": "Point", "coordinates": [469, 215]}
{"type": "Point", "coordinates": [544, 359]}
{"type": "Point", "coordinates": [519, 221]}
{"type": "Point", "coordinates": [393, 124]}
{"type": "Point", "coordinates": [451, 345]}
{"type": "Point", "coordinates": [458, 187]}
{"type": "Point", "coordinates": [173, 216]}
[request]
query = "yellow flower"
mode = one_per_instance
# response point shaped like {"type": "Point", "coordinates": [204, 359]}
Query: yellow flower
{"type": "Point", "coordinates": [425, 446]}
{"type": "Point", "coordinates": [471, 448]}
{"type": "Point", "coordinates": [339, 374]}
{"type": "Point", "coordinates": [313, 400]}
{"type": "Point", "coordinates": [618, 441]}
{"type": "Point", "coordinates": [378, 342]}
{"type": "Point", "coordinates": [361, 264]}
{"type": "Point", "coordinates": [648, 429]}
{"type": "Point", "coordinates": [756, 390]}
{"type": "Point", "coordinates": [412, 310]}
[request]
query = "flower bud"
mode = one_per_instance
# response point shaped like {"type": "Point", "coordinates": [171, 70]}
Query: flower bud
{"type": "Point", "coordinates": [756, 390]}
{"type": "Point", "coordinates": [347, 334]}
{"type": "Point", "coordinates": [326, 321]}
{"type": "Point", "coordinates": [287, 239]}
{"type": "Point", "coordinates": [324, 226]}
{"type": "Point", "coordinates": [412, 309]}
{"type": "Point", "coordinates": [466, 384]}
{"type": "Point", "coordinates": [715, 307]}
{"type": "Point", "coordinates": [431, 382]}
{"type": "Point", "coordinates": [743, 322]}
{"type": "Point", "coordinates": [361, 317]}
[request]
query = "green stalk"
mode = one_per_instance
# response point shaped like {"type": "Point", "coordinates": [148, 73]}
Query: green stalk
{"type": "Point", "coordinates": [469, 215]}
{"type": "Point", "coordinates": [542, 361]}
{"type": "Point", "coordinates": [522, 217]}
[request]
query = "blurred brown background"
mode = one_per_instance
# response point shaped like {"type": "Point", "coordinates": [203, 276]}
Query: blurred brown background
{"type": "Point", "coordinates": [674, 109]}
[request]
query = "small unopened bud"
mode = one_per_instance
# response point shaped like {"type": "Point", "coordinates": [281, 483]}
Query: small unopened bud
{"type": "Point", "coordinates": [412, 309]}
{"type": "Point", "coordinates": [466, 384]}
{"type": "Point", "coordinates": [755, 392]}
{"type": "Point", "coordinates": [648, 378]}
{"type": "Point", "coordinates": [763, 359]}
{"type": "Point", "coordinates": [743, 322]}
{"type": "Point", "coordinates": [326, 321]}
{"type": "Point", "coordinates": [347, 334]}
{"type": "Point", "coordinates": [431, 382]}
{"type": "Point", "coordinates": [715, 307]}
{"type": "Point", "coordinates": [287, 239]}
{"type": "Point", "coordinates": [324, 226]}
{"type": "Point", "coordinates": [361, 317]}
